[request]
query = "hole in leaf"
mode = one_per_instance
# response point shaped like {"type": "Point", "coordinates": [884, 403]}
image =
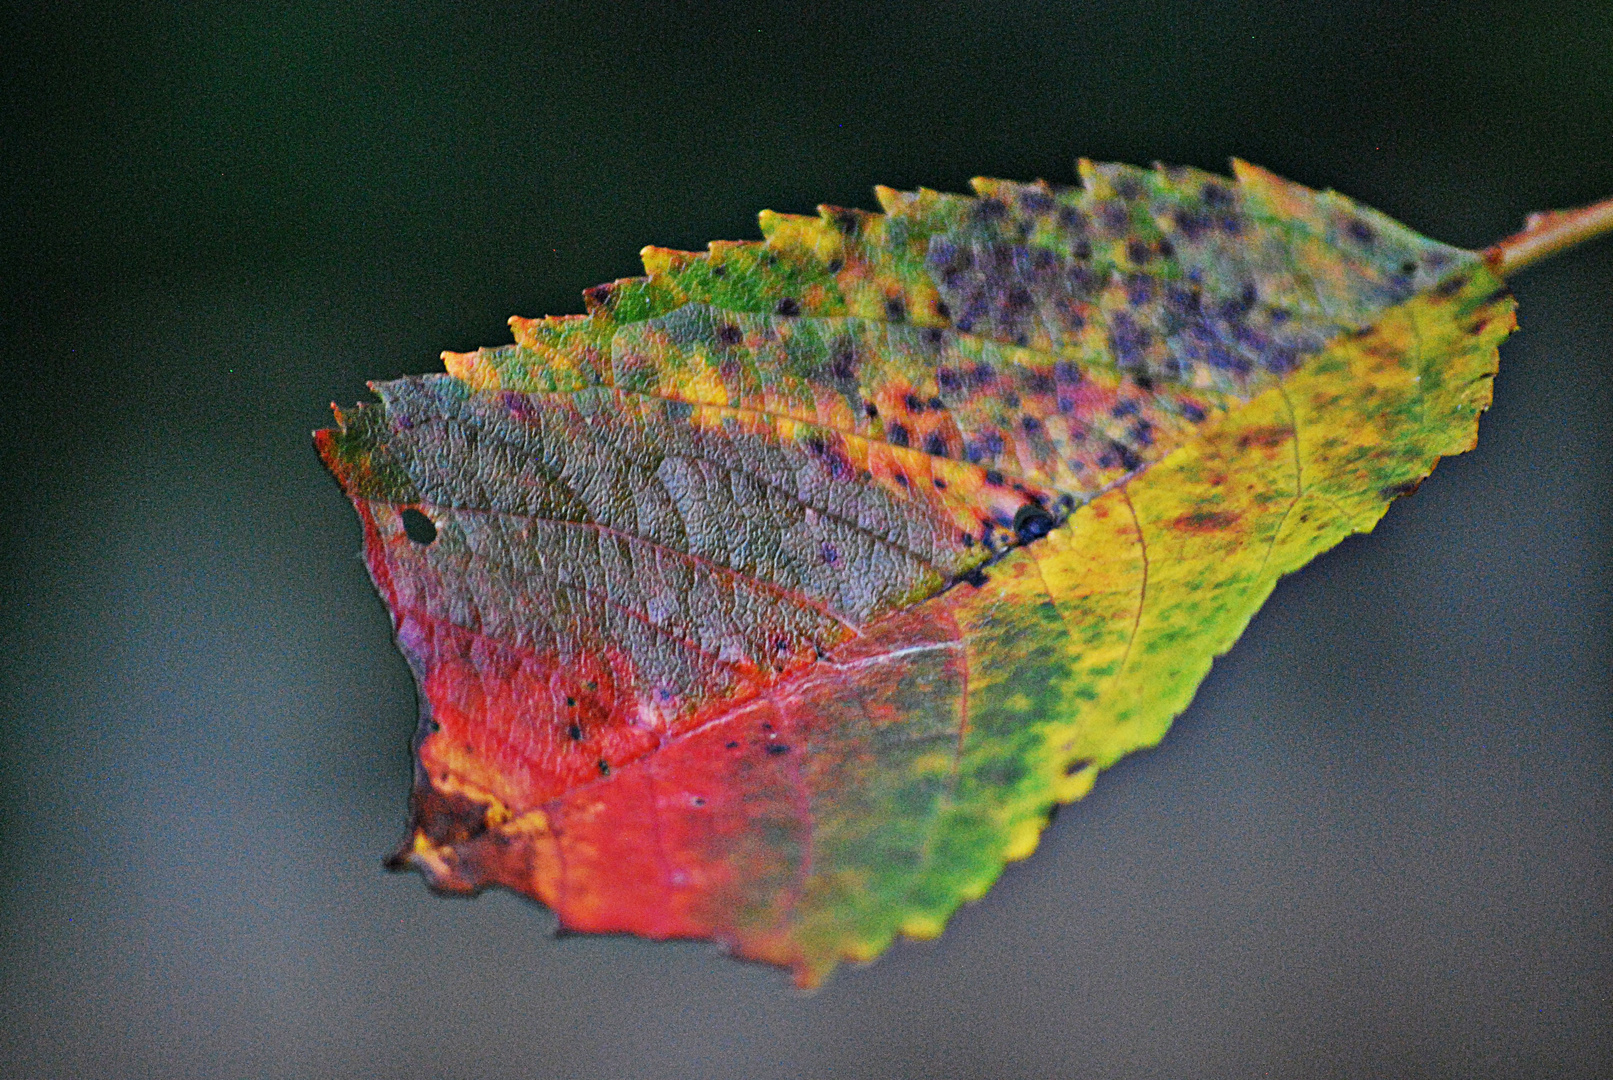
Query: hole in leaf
{"type": "Point", "coordinates": [418, 527]}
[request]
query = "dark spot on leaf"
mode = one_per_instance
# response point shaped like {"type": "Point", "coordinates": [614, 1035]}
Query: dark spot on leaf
{"type": "Point", "coordinates": [731, 746]}
{"type": "Point", "coordinates": [570, 701]}
{"type": "Point", "coordinates": [994, 478]}
{"type": "Point", "coordinates": [1450, 286]}
{"type": "Point", "coordinates": [776, 749]}
{"type": "Point", "coordinates": [788, 308]}
{"type": "Point", "coordinates": [729, 334]}
{"type": "Point", "coordinates": [1076, 766]}
{"type": "Point", "coordinates": [914, 403]}
{"type": "Point", "coordinates": [836, 265]}
{"type": "Point", "coordinates": [973, 576]}
{"type": "Point", "coordinates": [604, 767]}
{"type": "Point", "coordinates": [1360, 231]}
{"type": "Point", "coordinates": [1396, 491]}
{"type": "Point", "coordinates": [1205, 521]}
{"type": "Point", "coordinates": [935, 445]}
{"type": "Point", "coordinates": [444, 819]}
{"type": "Point", "coordinates": [719, 270]}
{"type": "Point", "coordinates": [1408, 267]}
{"type": "Point", "coordinates": [895, 309]}
{"type": "Point", "coordinates": [942, 309]}
{"type": "Point", "coordinates": [870, 409]}
{"type": "Point", "coordinates": [418, 527]}
{"type": "Point", "coordinates": [1128, 458]}
{"type": "Point", "coordinates": [1264, 437]}
{"type": "Point", "coordinates": [896, 433]}
{"type": "Point", "coordinates": [575, 731]}
{"type": "Point", "coordinates": [1032, 523]}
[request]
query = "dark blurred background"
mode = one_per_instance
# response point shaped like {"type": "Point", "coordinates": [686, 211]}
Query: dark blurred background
{"type": "Point", "coordinates": [1379, 843]}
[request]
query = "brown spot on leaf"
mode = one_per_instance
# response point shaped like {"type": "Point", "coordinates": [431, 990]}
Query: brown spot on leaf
{"type": "Point", "coordinates": [1400, 490]}
{"type": "Point", "coordinates": [1204, 521]}
{"type": "Point", "coordinates": [1266, 437]}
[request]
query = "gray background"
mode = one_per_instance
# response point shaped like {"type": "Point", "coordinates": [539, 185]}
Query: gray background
{"type": "Point", "coordinates": [1377, 844]}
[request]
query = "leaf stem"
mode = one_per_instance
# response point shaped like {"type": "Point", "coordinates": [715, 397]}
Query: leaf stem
{"type": "Point", "coordinates": [1546, 233]}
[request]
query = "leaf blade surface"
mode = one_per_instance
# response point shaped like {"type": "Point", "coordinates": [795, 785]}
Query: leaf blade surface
{"type": "Point", "coordinates": [779, 599]}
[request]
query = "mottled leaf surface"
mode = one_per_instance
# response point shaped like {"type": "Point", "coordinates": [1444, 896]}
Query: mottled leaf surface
{"type": "Point", "coordinates": [778, 599]}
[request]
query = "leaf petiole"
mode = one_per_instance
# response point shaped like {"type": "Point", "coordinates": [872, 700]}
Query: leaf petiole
{"type": "Point", "coordinates": [1548, 232]}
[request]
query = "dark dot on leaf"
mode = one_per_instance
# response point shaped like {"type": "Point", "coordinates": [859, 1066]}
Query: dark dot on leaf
{"type": "Point", "coordinates": [994, 477]}
{"type": "Point", "coordinates": [1408, 267]}
{"type": "Point", "coordinates": [1360, 231]}
{"type": "Point", "coordinates": [418, 527]}
{"type": "Point", "coordinates": [1032, 523]}
{"type": "Point", "coordinates": [1076, 766]}
{"type": "Point", "coordinates": [1450, 286]}
{"type": "Point", "coordinates": [940, 484]}
{"type": "Point", "coordinates": [895, 309]}
{"type": "Point", "coordinates": [604, 767]}
{"type": "Point", "coordinates": [575, 731]}
{"type": "Point", "coordinates": [897, 434]}
{"type": "Point", "coordinates": [788, 308]}
{"type": "Point", "coordinates": [719, 270]}
{"type": "Point", "coordinates": [836, 265]}
{"type": "Point", "coordinates": [870, 409]}
{"type": "Point", "coordinates": [730, 745]}
{"type": "Point", "coordinates": [942, 309]}
{"type": "Point", "coordinates": [1137, 251]}
{"type": "Point", "coordinates": [698, 801]}
{"type": "Point", "coordinates": [434, 726]}
{"type": "Point", "coordinates": [777, 748]}
{"type": "Point", "coordinates": [570, 701]}
{"type": "Point", "coordinates": [935, 445]}
{"type": "Point", "coordinates": [729, 334]}
{"type": "Point", "coordinates": [913, 403]}
{"type": "Point", "coordinates": [973, 576]}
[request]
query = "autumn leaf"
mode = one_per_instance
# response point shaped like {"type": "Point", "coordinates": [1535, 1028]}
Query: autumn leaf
{"type": "Point", "coordinates": [778, 599]}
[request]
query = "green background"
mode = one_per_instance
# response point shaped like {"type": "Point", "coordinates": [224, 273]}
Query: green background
{"type": "Point", "coordinates": [1379, 843]}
